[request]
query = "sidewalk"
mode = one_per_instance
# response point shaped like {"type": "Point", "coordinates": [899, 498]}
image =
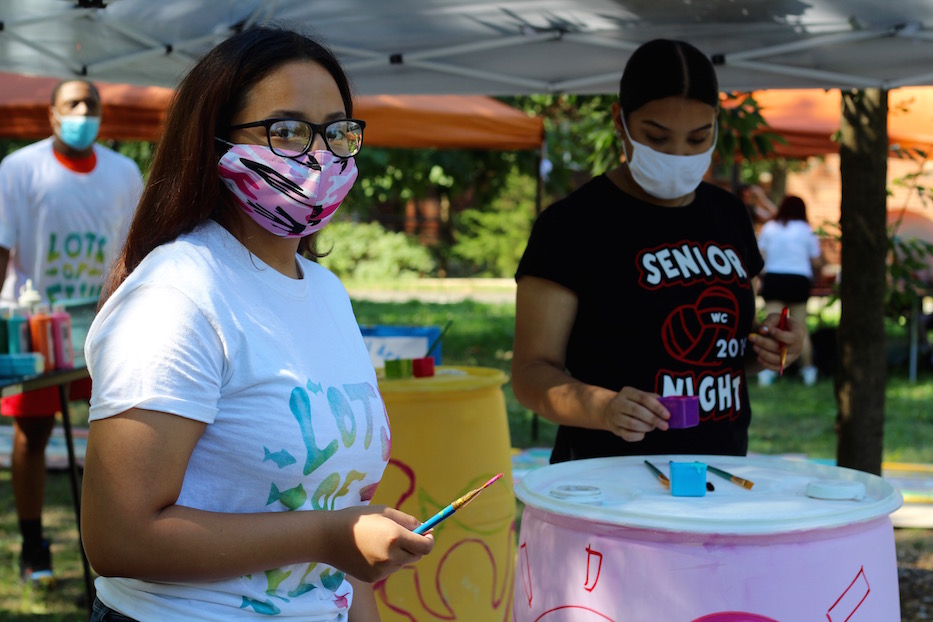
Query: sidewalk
{"type": "Point", "coordinates": [492, 291]}
{"type": "Point", "coordinates": [56, 452]}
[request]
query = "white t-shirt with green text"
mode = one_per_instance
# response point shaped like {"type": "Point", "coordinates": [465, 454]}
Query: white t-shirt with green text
{"type": "Point", "coordinates": [278, 370]}
{"type": "Point", "coordinates": [63, 228]}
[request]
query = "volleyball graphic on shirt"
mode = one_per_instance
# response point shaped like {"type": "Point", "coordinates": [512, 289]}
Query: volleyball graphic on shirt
{"type": "Point", "coordinates": [698, 334]}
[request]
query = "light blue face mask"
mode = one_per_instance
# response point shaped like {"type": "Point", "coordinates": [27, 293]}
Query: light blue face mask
{"type": "Point", "coordinates": [78, 131]}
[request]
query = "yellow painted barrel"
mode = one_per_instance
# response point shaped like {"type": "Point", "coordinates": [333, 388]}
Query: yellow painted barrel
{"type": "Point", "coordinates": [450, 434]}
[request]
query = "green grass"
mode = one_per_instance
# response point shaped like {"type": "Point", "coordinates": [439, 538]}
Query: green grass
{"type": "Point", "coordinates": [908, 430]}
{"type": "Point", "coordinates": [21, 603]}
{"type": "Point", "coordinates": [789, 418]}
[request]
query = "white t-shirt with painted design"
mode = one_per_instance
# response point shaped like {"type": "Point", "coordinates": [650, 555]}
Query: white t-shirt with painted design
{"type": "Point", "coordinates": [279, 371]}
{"type": "Point", "coordinates": [63, 228]}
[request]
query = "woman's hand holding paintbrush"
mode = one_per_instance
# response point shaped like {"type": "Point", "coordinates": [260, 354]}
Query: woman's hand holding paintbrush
{"type": "Point", "coordinates": [369, 542]}
{"type": "Point", "coordinates": [782, 325]}
{"type": "Point", "coordinates": [778, 341]}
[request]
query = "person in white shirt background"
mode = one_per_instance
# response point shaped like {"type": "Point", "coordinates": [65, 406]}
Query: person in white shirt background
{"type": "Point", "coordinates": [65, 205]}
{"type": "Point", "coordinates": [793, 258]}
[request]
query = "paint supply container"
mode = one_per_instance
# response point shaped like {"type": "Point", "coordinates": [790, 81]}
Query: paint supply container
{"type": "Point", "coordinates": [423, 367]}
{"type": "Point", "coordinates": [770, 553]}
{"type": "Point", "coordinates": [688, 479]}
{"type": "Point", "coordinates": [29, 302]}
{"type": "Point", "coordinates": [25, 364]}
{"type": "Point", "coordinates": [398, 368]}
{"type": "Point", "coordinates": [684, 409]}
{"type": "Point", "coordinates": [82, 312]}
{"type": "Point", "coordinates": [387, 342]}
{"type": "Point", "coordinates": [18, 337]}
{"type": "Point", "coordinates": [450, 434]}
{"type": "Point", "coordinates": [28, 297]}
{"type": "Point", "coordinates": [42, 336]}
{"type": "Point", "coordinates": [61, 338]}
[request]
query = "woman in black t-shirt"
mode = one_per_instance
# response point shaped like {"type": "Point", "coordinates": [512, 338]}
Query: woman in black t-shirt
{"type": "Point", "coordinates": [639, 284]}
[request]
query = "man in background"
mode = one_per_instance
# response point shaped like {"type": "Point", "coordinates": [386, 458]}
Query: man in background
{"type": "Point", "coordinates": [65, 206]}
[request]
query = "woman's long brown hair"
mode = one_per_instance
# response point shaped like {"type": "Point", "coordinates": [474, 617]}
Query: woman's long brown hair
{"type": "Point", "coordinates": [791, 208]}
{"type": "Point", "coordinates": [184, 188]}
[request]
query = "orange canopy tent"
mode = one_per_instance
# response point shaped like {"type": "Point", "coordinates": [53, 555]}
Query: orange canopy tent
{"type": "Point", "coordinates": [129, 112]}
{"type": "Point", "coordinates": [808, 118]}
{"type": "Point", "coordinates": [447, 121]}
{"type": "Point", "coordinates": [440, 121]}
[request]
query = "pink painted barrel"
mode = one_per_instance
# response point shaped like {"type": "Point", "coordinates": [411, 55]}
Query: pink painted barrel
{"type": "Point", "coordinates": [603, 540]}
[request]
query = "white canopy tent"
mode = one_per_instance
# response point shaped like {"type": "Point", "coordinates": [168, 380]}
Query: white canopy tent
{"type": "Point", "coordinates": [511, 47]}
{"type": "Point", "coordinates": [487, 46]}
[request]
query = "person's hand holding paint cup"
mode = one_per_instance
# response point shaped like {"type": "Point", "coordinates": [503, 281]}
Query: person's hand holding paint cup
{"type": "Point", "coordinates": [632, 413]}
{"type": "Point", "coordinates": [684, 410]}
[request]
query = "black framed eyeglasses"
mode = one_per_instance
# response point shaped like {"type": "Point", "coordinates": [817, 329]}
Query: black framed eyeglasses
{"type": "Point", "coordinates": [292, 138]}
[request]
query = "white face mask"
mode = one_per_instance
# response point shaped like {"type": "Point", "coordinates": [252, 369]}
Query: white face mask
{"type": "Point", "coordinates": [663, 175]}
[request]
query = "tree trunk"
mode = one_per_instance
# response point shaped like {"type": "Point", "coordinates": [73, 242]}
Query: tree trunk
{"type": "Point", "coordinates": [778, 183]}
{"type": "Point", "coordinates": [861, 374]}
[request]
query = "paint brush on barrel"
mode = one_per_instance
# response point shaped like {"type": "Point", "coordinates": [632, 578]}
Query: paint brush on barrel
{"type": "Point", "coordinates": [735, 479]}
{"type": "Point", "coordinates": [661, 476]}
{"type": "Point", "coordinates": [453, 507]}
{"type": "Point", "coordinates": [437, 339]}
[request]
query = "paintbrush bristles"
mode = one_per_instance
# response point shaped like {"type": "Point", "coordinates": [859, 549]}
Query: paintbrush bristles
{"type": "Point", "coordinates": [657, 472]}
{"type": "Point", "coordinates": [462, 501]}
{"type": "Point", "coordinates": [744, 483]}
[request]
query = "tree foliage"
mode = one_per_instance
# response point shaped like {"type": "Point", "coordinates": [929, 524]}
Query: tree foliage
{"type": "Point", "coordinates": [497, 234]}
{"type": "Point", "coordinates": [910, 259]}
{"type": "Point", "coordinates": [743, 130]}
{"type": "Point", "coordinates": [137, 150]}
{"type": "Point", "coordinates": [368, 252]}
{"type": "Point", "coordinates": [399, 175]}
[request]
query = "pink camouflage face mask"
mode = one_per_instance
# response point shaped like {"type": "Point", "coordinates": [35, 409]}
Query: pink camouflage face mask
{"type": "Point", "coordinates": [288, 197]}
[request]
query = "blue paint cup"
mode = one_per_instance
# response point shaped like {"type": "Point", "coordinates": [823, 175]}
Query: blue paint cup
{"type": "Point", "coordinates": [688, 479]}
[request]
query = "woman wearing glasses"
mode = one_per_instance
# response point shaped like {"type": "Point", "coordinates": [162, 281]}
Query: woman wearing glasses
{"type": "Point", "coordinates": [237, 433]}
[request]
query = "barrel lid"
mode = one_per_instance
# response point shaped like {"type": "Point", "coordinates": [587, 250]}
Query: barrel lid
{"type": "Point", "coordinates": [778, 502]}
{"type": "Point", "coordinates": [445, 378]}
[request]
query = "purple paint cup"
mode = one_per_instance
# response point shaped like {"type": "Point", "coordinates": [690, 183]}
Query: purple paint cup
{"type": "Point", "coordinates": [684, 409]}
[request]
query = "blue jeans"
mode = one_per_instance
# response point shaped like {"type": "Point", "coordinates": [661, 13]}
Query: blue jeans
{"type": "Point", "coordinates": [103, 613]}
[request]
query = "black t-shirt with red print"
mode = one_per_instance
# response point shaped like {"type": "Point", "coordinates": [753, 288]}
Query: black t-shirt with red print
{"type": "Point", "coordinates": [664, 304]}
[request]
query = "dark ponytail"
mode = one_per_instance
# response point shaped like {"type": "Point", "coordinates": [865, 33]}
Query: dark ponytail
{"type": "Point", "coordinates": [666, 68]}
